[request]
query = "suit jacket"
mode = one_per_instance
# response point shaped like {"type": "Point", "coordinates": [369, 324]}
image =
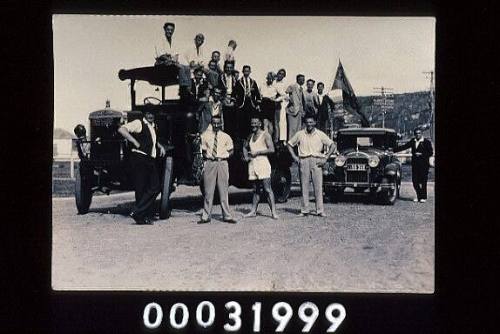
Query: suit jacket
{"type": "Point", "coordinates": [325, 106]}
{"type": "Point", "coordinates": [296, 104]}
{"type": "Point", "coordinates": [195, 95]}
{"type": "Point", "coordinates": [311, 103]}
{"type": "Point", "coordinates": [425, 148]}
{"type": "Point", "coordinates": [223, 84]}
{"type": "Point", "coordinates": [240, 96]}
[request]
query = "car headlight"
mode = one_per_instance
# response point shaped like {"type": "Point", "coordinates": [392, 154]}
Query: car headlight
{"type": "Point", "coordinates": [373, 161]}
{"type": "Point", "coordinates": [340, 161]}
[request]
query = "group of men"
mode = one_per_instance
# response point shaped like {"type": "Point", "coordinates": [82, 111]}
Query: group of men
{"type": "Point", "coordinates": [230, 107]}
{"type": "Point", "coordinates": [217, 147]}
{"type": "Point", "coordinates": [214, 91]}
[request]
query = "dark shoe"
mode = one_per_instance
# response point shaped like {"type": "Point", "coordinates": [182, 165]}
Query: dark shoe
{"type": "Point", "coordinates": [230, 221]}
{"type": "Point", "coordinates": [203, 221]}
{"type": "Point", "coordinates": [154, 218]}
{"type": "Point", "coordinates": [145, 221]}
{"type": "Point", "coordinates": [138, 220]}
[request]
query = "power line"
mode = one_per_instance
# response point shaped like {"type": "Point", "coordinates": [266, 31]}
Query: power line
{"type": "Point", "coordinates": [385, 101]}
{"type": "Point", "coordinates": [430, 76]}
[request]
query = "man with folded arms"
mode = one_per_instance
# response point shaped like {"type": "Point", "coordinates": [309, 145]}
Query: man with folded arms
{"type": "Point", "coordinates": [216, 148]}
{"type": "Point", "coordinates": [311, 143]}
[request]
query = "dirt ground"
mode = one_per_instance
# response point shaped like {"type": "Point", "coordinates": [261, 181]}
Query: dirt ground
{"type": "Point", "coordinates": [360, 247]}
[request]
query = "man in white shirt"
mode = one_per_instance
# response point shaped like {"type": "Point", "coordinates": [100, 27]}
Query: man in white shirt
{"type": "Point", "coordinates": [165, 51]}
{"type": "Point", "coordinates": [311, 143]}
{"type": "Point", "coordinates": [194, 56]}
{"type": "Point", "coordinates": [281, 125]}
{"type": "Point", "coordinates": [167, 54]}
{"type": "Point", "coordinates": [216, 147]}
{"type": "Point", "coordinates": [270, 95]}
{"type": "Point", "coordinates": [146, 180]}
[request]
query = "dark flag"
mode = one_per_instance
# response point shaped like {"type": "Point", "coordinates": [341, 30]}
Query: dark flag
{"type": "Point", "coordinates": [350, 100]}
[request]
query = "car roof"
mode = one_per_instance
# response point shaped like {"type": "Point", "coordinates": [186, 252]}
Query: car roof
{"type": "Point", "coordinates": [162, 75]}
{"type": "Point", "coordinates": [366, 131]}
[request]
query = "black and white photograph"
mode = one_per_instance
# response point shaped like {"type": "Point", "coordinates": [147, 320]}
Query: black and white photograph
{"type": "Point", "coordinates": [243, 153]}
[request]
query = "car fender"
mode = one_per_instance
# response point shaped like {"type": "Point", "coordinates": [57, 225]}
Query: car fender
{"type": "Point", "coordinates": [391, 169]}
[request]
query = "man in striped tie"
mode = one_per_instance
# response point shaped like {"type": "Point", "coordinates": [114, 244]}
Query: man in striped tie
{"type": "Point", "coordinates": [217, 147]}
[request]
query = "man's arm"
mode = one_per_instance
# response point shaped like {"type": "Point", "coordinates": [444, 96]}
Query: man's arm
{"type": "Point", "coordinates": [162, 149]}
{"type": "Point", "coordinates": [291, 143]}
{"type": "Point", "coordinates": [126, 134]}
{"type": "Point", "coordinates": [430, 150]}
{"type": "Point", "coordinates": [246, 155]}
{"type": "Point", "coordinates": [403, 147]}
{"type": "Point", "coordinates": [331, 148]}
{"type": "Point", "coordinates": [292, 153]}
{"type": "Point", "coordinates": [230, 147]}
{"type": "Point", "coordinates": [268, 150]}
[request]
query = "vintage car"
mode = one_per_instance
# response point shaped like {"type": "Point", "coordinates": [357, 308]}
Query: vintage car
{"type": "Point", "coordinates": [365, 163]}
{"type": "Point", "coordinates": [103, 157]}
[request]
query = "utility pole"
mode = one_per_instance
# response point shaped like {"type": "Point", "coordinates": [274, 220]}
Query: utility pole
{"type": "Point", "coordinates": [385, 101]}
{"type": "Point", "coordinates": [430, 76]}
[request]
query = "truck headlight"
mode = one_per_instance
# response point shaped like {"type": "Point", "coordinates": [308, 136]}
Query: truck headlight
{"type": "Point", "coordinates": [373, 161]}
{"type": "Point", "coordinates": [340, 161]}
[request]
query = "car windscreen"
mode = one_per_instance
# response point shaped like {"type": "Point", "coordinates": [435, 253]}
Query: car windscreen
{"type": "Point", "coordinates": [362, 142]}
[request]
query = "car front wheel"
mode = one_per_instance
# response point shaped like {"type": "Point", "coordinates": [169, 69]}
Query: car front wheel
{"type": "Point", "coordinates": [335, 195]}
{"type": "Point", "coordinates": [388, 196]}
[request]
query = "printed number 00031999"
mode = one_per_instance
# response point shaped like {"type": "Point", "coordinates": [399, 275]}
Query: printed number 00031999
{"type": "Point", "coordinates": [282, 313]}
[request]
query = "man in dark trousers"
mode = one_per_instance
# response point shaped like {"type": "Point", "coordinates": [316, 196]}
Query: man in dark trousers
{"type": "Point", "coordinates": [247, 95]}
{"type": "Point", "coordinates": [141, 133]}
{"type": "Point", "coordinates": [227, 82]}
{"type": "Point", "coordinates": [421, 151]}
{"type": "Point", "coordinates": [325, 109]}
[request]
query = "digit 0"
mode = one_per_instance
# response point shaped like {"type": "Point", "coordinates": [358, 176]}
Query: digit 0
{"type": "Point", "coordinates": [211, 314]}
{"type": "Point", "coordinates": [159, 316]}
{"type": "Point", "coordinates": [185, 316]}
{"type": "Point", "coordinates": [334, 320]}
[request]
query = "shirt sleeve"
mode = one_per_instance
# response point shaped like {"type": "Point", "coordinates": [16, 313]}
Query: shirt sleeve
{"type": "Point", "coordinates": [294, 140]}
{"type": "Point", "coordinates": [134, 126]}
{"type": "Point", "coordinates": [229, 143]}
{"type": "Point", "coordinates": [204, 144]}
{"type": "Point", "coordinates": [325, 139]}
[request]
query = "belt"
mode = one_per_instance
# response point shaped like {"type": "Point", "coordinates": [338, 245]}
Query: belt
{"type": "Point", "coordinates": [310, 156]}
{"type": "Point", "coordinates": [216, 159]}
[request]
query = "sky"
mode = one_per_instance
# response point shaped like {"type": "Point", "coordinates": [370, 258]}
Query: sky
{"type": "Point", "coordinates": [89, 50]}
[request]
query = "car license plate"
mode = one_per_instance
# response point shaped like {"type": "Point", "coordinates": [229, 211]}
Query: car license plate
{"type": "Point", "coordinates": [356, 167]}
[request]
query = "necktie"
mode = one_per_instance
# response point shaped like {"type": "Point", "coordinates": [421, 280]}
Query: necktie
{"type": "Point", "coordinates": [303, 97]}
{"type": "Point", "coordinates": [247, 89]}
{"type": "Point", "coordinates": [214, 149]}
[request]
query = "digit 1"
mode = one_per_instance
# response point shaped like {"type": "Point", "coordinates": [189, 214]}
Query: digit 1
{"type": "Point", "coordinates": [185, 316]}
{"type": "Point", "coordinates": [282, 319]}
{"type": "Point", "coordinates": [334, 320]}
{"type": "Point", "coordinates": [159, 316]}
{"type": "Point", "coordinates": [256, 307]}
{"type": "Point", "coordinates": [308, 319]}
{"type": "Point", "coordinates": [211, 314]}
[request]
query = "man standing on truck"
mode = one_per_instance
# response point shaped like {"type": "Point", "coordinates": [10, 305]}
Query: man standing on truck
{"type": "Point", "coordinates": [145, 176]}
